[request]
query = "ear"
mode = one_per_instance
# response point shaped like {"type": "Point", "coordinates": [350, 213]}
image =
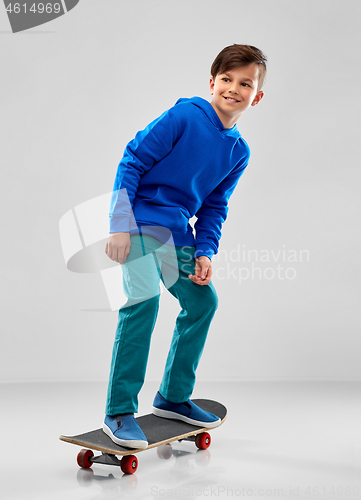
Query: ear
{"type": "Point", "coordinates": [211, 85]}
{"type": "Point", "coordinates": [258, 98]}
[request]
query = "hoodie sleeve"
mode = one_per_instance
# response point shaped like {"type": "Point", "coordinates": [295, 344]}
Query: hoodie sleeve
{"type": "Point", "coordinates": [148, 147]}
{"type": "Point", "coordinates": [213, 213]}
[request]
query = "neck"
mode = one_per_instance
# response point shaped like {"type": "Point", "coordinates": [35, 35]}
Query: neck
{"type": "Point", "coordinates": [227, 121]}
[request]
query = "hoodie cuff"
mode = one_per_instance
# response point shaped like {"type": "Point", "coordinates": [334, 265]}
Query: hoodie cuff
{"type": "Point", "coordinates": [203, 249]}
{"type": "Point", "coordinates": [119, 224]}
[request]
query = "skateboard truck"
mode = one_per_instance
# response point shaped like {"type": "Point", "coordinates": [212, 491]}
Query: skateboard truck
{"type": "Point", "coordinates": [128, 464]}
{"type": "Point", "coordinates": [106, 459]}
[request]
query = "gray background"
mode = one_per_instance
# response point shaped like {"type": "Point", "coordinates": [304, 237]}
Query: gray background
{"type": "Point", "coordinates": [76, 90]}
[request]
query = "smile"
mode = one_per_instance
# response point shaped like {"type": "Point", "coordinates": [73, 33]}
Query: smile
{"type": "Point", "coordinates": [230, 99]}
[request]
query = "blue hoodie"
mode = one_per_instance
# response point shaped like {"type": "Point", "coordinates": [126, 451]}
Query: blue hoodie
{"type": "Point", "coordinates": [182, 164]}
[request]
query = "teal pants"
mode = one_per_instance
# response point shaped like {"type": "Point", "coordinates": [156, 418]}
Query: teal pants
{"type": "Point", "coordinates": [147, 263]}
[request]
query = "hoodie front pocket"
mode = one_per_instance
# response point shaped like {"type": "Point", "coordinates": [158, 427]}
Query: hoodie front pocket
{"type": "Point", "coordinates": [168, 208]}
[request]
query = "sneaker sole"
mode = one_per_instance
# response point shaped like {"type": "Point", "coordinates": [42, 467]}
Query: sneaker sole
{"type": "Point", "coordinates": [128, 443]}
{"type": "Point", "coordinates": [177, 416]}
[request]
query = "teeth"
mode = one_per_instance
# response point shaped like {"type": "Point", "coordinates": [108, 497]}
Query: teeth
{"type": "Point", "coordinates": [229, 99]}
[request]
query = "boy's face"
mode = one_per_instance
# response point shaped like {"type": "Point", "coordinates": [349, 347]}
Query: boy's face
{"type": "Point", "coordinates": [235, 91]}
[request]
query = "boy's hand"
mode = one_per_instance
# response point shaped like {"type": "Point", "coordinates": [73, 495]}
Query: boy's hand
{"type": "Point", "coordinates": [203, 271]}
{"type": "Point", "coordinates": [118, 247]}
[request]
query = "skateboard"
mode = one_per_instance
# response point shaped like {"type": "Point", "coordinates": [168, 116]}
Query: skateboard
{"type": "Point", "coordinates": [158, 431]}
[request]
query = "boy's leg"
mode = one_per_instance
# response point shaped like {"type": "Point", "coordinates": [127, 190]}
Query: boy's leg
{"type": "Point", "coordinates": [136, 322]}
{"type": "Point", "coordinates": [199, 304]}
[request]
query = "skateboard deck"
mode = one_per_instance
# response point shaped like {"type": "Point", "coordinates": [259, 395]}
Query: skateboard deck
{"type": "Point", "coordinates": [158, 431]}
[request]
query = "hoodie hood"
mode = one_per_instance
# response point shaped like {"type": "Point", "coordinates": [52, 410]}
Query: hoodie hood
{"type": "Point", "coordinates": [211, 115]}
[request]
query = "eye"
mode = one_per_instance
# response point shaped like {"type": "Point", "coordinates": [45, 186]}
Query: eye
{"type": "Point", "coordinates": [245, 84]}
{"type": "Point", "coordinates": [226, 79]}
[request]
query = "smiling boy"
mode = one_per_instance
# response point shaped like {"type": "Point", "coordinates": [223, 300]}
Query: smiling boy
{"type": "Point", "coordinates": [185, 163]}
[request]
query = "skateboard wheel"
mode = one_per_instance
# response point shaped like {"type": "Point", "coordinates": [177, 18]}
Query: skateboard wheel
{"type": "Point", "coordinates": [84, 457]}
{"type": "Point", "coordinates": [129, 464]}
{"type": "Point", "coordinates": [203, 440]}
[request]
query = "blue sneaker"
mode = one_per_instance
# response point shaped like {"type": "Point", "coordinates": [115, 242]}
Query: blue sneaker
{"type": "Point", "coordinates": [125, 431]}
{"type": "Point", "coordinates": [187, 412]}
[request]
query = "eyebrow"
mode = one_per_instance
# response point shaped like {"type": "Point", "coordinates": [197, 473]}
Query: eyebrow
{"type": "Point", "coordinates": [244, 79]}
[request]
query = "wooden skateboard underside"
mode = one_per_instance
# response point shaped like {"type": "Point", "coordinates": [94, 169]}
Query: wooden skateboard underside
{"type": "Point", "coordinates": [158, 431]}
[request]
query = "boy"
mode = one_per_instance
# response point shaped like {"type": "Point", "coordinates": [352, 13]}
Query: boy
{"type": "Point", "coordinates": [186, 162]}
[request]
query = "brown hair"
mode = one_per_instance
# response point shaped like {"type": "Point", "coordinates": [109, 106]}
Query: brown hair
{"type": "Point", "coordinates": [237, 55]}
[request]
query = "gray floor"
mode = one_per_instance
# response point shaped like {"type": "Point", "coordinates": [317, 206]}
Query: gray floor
{"type": "Point", "coordinates": [280, 440]}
